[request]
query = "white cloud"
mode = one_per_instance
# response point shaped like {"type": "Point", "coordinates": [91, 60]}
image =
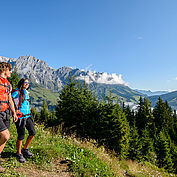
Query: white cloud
{"type": "Point", "coordinates": [171, 90]}
{"type": "Point", "coordinates": [103, 78]}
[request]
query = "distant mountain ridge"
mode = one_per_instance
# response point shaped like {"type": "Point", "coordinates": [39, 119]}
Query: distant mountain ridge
{"type": "Point", "coordinates": [103, 84]}
{"type": "Point", "coordinates": [170, 97]}
{"type": "Point", "coordinates": [150, 93]}
{"type": "Point", "coordinates": [39, 72]}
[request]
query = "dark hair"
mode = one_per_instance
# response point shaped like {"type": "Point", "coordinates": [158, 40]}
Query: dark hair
{"type": "Point", "coordinates": [20, 88]}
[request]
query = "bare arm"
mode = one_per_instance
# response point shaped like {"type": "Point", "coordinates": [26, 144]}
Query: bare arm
{"type": "Point", "coordinates": [12, 107]}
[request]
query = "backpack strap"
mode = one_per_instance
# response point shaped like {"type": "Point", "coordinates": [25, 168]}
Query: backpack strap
{"type": "Point", "coordinates": [16, 104]}
{"type": "Point", "coordinates": [20, 101]}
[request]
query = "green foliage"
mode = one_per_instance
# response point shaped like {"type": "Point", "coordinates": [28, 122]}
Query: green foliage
{"type": "Point", "coordinates": [83, 114]}
{"type": "Point", "coordinates": [35, 114]}
{"type": "Point", "coordinates": [124, 93]}
{"type": "Point", "coordinates": [163, 152]}
{"type": "Point", "coordinates": [14, 79]}
{"type": "Point", "coordinates": [38, 93]}
{"type": "Point", "coordinates": [147, 150]}
{"type": "Point", "coordinates": [44, 113]}
{"type": "Point", "coordinates": [118, 133]}
{"type": "Point", "coordinates": [135, 135]}
{"type": "Point", "coordinates": [77, 108]}
{"type": "Point", "coordinates": [47, 149]}
{"type": "Point", "coordinates": [129, 115]}
{"type": "Point", "coordinates": [144, 116]}
{"type": "Point", "coordinates": [135, 144]}
{"type": "Point", "coordinates": [85, 163]}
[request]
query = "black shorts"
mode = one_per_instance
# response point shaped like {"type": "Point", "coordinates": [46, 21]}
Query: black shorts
{"type": "Point", "coordinates": [21, 124]}
{"type": "Point", "coordinates": [4, 120]}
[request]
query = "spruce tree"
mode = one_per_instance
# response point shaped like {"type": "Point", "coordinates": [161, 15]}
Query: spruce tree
{"type": "Point", "coordinates": [140, 119]}
{"type": "Point", "coordinates": [129, 115]}
{"type": "Point", "coordinates": [14, 79]}
{"type": "Point", "coordinates": [119, 132]}
{"type": "Point", "coordinates": [35, 114]}
{"type": "Point", "coordinates": [135, 144]}
{"type": "Point", "coordinates": [158, 114]}
{"type": "Point", "coordinates": [163, 150]}
{"type": "Point", "coordinates": [44, 113]}
{"type": "Point", "coordinates": [147, 150]}
{"type": "Point", "coordinates": [77, 108]}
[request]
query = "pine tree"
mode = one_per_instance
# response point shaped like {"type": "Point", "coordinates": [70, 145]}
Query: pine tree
{"type": "Point", "coordinates": [169, 121]}
{"type": "Point", "coordinates": [164, 118]}
{"type": "Point", "coordinates": [163, 150]}
{"type": "Point", "coordinates": [149, 119]}
{"type": "Point", "coordinates": [135, 144]}
{"type": "Point", "coordinates": [147, 146]}
{"type": "Point", "coordinates": [129, 115]}
{"type": "Point", "coordinates": [14, 79]}
{"type": "Point", "coordinates": [175, 125]}
{"type": "Point", "coordinates": [35, 114]}
{"type": "Point", "coordinates": [44, 113]}
{"type": "Point", "coordinates": [119, 132]}
{"type": "Point", "coordinates": [158, 114]}
{"type": "Point", "coordinates": [77, 108]}
{"type": "Point", "coordinates": [144, 116]}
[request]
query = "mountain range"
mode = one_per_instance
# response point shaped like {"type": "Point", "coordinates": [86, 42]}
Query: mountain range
{"type": "Point", "coordinates": [47, 82]}
{"type": "Point", "coordinates": [150, 93]}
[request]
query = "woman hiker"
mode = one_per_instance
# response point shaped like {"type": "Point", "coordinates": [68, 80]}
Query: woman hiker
{"type": "Point", "coordinates": [22, 103]}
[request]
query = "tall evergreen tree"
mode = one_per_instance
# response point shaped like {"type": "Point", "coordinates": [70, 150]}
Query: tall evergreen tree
{"type": "Point", "coordinates": [77, 108]}
{"type": "Point", "coordinates": [158, 113]}
{"type": "Point", "coordinates": [163, 152]}
{"type": "Point", "coordinates": [144, 116]}
{"type": "Point", "coordinates": [14, 79]}
{"type": "Point", "coordinates": [135, 144]}
{"type": "Point", "coordinates": [129, 115]}
{"type": "Point", "coordinates": [44, 113]}
{"type": "Point", "coordinates": [119, 132]}
{"type": "Point", "coordinates": [35, 114]}
{"type": "Point", "coordinates": [147, 146]}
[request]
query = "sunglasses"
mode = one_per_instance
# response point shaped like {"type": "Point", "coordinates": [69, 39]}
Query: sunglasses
{"type": "Point", "coordinates": [26, 82]}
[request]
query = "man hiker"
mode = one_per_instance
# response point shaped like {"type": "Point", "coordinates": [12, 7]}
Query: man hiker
{"type": "Point", "coordinates": [6, 102]}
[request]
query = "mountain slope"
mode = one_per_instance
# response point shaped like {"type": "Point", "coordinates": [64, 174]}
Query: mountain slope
{"type": "Point", "coordinates": [123, 92]}
{"type": "Point", "coordinates": [38, 93]}
{"type": "Point", "coordinates": [56, 155]}
{"type": "Point", "coordinates": [40, 73]}
{"type": "Point", "coordinates": [150, 93]}
{"type": "Point", "coordinates": [170, 97]}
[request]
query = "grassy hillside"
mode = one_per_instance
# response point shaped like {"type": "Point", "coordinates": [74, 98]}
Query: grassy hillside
{"type": "Point", "coordinates": [57, 155]}
{"type": "Point", "coordinates": [38, 93]}
{"type": "Point", "coordinates": [170, 97]}
{"type": "Point", "coordinates": [123, 93]}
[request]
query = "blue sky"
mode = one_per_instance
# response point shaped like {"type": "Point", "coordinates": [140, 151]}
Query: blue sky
{"type": "Point", "coordinates": [135, 38]}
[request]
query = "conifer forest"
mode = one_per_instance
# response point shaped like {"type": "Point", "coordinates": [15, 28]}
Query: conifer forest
{"type": "Point", "coordinates": [143, 134]}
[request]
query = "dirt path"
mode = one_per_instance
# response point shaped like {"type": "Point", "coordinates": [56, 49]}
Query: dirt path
{"type": "Point", "coordinates": [60, 169]}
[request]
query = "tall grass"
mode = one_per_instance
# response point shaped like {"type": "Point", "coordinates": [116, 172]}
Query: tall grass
{"type": "Point", "coordinates": [84, 157]}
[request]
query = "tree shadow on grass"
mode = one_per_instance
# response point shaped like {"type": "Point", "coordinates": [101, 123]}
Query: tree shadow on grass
{"type": "Point", "coordinates": [8, 154]}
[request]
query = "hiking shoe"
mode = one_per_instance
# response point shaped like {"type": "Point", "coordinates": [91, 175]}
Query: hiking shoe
{"type": "Point", "coordinates": [20, 158]}
{"type": "Point", "coordinates": [27, 153]}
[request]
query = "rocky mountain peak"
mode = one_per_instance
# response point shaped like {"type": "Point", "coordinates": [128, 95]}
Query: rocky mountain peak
{"type": "Point", "coordinates": [40, 72]}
